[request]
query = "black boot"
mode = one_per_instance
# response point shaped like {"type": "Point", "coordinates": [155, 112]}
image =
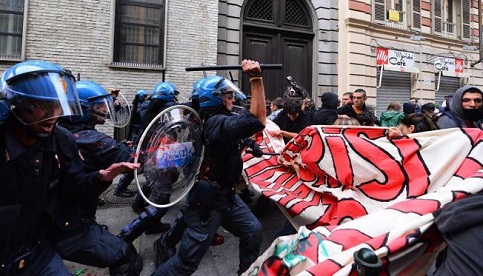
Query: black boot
{"type": "Point", "coordinates": [139, 204]}
{"type": "Point", "coordinates": [121, 189]}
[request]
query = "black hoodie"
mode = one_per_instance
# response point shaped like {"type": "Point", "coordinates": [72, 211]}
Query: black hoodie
{"type": "Point", "coordinates": [328, 113]}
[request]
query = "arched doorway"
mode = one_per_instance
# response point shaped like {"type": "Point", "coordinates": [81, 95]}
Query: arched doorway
{"type": "Point", "coordinates": [279, 32]}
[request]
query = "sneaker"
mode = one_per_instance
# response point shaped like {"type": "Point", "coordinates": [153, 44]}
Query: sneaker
{"type": "Point", "coordinates": [126, 193]}
{"type": "Point", "coordinates": [163, 252]}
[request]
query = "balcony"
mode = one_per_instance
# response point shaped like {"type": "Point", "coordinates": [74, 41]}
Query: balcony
{"type": "Point", "coordinates": [448, 30]}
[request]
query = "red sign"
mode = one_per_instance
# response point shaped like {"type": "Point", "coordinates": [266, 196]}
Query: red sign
{"type": "Point", "coordinates": [382, 55]}
{"type": "Point", "coordinates": [458, 66]}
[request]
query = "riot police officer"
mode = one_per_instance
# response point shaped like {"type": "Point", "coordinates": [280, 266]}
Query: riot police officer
{"type": "Point", "coordinates": [213, 200]}
{"type": "Point", "coordinates": [77, 236]}
{"type": "Point", "coordinates": [39, 165]}
{"type": "Point", "coordinates": [164, 95]}
{"type": "Point", "coordinates": [133, 136]}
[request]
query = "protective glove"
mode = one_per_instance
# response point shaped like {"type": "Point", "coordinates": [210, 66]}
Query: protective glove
{"type": "Point", "coordinates": [256, 150]}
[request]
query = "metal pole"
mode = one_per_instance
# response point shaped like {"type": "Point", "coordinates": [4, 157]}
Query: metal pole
{"type": "Point", "coordinates": [232, 67]}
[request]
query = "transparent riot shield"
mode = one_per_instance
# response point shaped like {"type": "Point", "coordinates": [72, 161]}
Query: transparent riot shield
{"type": "Point", "coordinates": [170, 151]}
{"type": "Point", "coordinates": [121, 113]}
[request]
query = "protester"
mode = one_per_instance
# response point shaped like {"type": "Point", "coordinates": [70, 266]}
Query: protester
{"type": "Point", "coordinates": [409, 108]}
{"type": "Point", "coordinates": [359, 98]}
{"type": "Point", "coordinates": [392, 116]}
{"type": "Point", "coordinates": [347, 98]}
{"type": "Point", "coordinates": [461, 225]}
{"type": "Point", "coordinates": [465, 109]}
{"type": "Point", "coordinates": [412, 123]}
{"type": "Point", "coordinates": [327, 114]}
{"type": "Point", "coordinates": [417, 107]}
{"type": "Point", "coordinates": [428, 109]}
{"type": "Point", "coordinates": [291, 120]}
{"type": "Point", "coordinates": [276, 106]}
{"type": "Point", "coordinates": [346, 121]}
{"type": "Point", "coordinates": [40, 167]}
{"type": "Point", "coordinates": [366, 119]}
{"type": "Point", "coordinates": [212, 201]}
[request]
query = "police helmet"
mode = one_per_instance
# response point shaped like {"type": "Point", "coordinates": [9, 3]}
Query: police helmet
{"type": "Point", "coordinates": [213, 88]}
{"type": "Point", "coordinates": [165, 90]}
{"type": "Point", "coordinates": [35, 91]}
{"type": "Point", "coordinates": [96, 103]}
{"type": "Point", "coordinates": [142, 93]}
{"type": "Point", "coordinates": [195, 93]}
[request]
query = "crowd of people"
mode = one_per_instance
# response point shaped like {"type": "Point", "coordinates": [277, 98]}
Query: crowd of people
{"type": "Point", "coordinates": [56, 164]}
{"type": "Point", "coordinates": [463, 110]}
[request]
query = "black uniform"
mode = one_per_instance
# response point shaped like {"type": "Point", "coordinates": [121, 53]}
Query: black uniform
{"type": "Point", "coordinates": [34, 179]}
{"type": "Point", "coordinates": [213, 201]}
{"type": "Point", "coordinates": [77, 236]}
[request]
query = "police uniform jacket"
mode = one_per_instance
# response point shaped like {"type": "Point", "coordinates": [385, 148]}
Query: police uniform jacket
{"type": "Point", "coordinates": [34, 179]}
{"type": "Point", "coordinates": [222, 136]}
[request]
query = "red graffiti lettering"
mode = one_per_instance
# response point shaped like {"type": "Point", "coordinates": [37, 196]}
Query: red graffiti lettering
{"type": "Point", "coordinates": [414, 166]}
{"type": "Point", "coordinates": [390, 187]}
{"type": "Point", "coordinates": [417, 206]}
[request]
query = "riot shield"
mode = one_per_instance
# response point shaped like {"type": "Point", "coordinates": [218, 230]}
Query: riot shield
{"type": "Point", "coordinates": [121, 113]}
{"type": "Point", "coordinates": [170, 151]}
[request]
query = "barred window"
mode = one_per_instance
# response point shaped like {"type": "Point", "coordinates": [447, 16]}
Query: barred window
{"type": "Point", "coordinates": [139, 32]}
{"type": "Point", "coordinates": [11, 29]}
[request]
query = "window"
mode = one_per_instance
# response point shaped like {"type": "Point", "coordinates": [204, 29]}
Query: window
{"type": "Point", "coordinates": [451, 18]}
{"type": "Point", "coordinates": [11, 29]}
{"type": "Point", "coordinates": [139, 33]}
{"type": "Point", "coordinates": [391, 13]}
{"type": "Point", "coordinates": [416, 15]}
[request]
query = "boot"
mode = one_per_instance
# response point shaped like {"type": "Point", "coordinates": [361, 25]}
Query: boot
{"type": "Point", "coordinates": [121, 189]}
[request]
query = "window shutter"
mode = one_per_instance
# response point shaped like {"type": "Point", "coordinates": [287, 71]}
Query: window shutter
{"type": "Point", "coordinates": [416, 14]}
{"type": "Point", "coordinates": [380, 10]}
{"type": "Point", "coordinates": [437, 12]}
{"type": "Point", "coordinates": [466, 18]}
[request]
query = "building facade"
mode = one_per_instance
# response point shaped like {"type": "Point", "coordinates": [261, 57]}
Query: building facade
{"type": "Point", "coordinates": [394, 49]}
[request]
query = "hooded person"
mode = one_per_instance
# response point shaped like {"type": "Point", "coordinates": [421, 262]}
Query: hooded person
{"type": "Point", "coordinates": [327, 114]}
{"type": "Point", "coordinates": [409, 108]}
{"type": "Point", "coordinates": [465, 109]}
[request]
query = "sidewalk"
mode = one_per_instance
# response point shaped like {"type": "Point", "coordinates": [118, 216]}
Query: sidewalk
{"type": "Point", "coordinates": [220, 261]}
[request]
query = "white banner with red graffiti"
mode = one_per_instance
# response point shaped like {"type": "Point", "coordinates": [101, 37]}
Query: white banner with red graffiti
{"type": "Point", "coordinates": [351, 187]}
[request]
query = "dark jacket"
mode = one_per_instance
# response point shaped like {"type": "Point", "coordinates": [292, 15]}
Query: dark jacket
{"type": "Point", "coordinates": [455, 117]}
{"type": "Point", "coordinates": [327, 114]}
{"type": "Point", "coordinates": [284, 123]}
{"type": "Point", "coordinates": [461, 224]}
{"type": "Point", "coordinates": [34, 180]}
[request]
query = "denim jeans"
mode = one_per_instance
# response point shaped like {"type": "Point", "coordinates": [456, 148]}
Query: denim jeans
{"type": "Point", "coordinates": [235, 217]}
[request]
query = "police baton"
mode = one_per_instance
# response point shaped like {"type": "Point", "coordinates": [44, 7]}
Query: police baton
{"type": "Point", "coordinates": [232, 67]}
{"type": "Point", "coordinates": [264, 153]}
